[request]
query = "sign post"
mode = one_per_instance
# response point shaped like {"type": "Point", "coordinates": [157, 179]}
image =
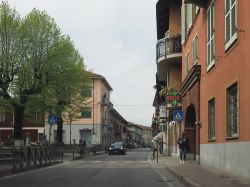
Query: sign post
{"type": "Point", "coordinates": [52, 119]}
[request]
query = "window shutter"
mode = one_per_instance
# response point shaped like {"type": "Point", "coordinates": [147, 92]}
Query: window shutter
{"type": "Point", "coordinates": [189, 15]}
{"type": "Point", "coordinates": [183, 32]}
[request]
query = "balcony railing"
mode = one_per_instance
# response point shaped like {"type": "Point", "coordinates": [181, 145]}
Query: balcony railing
{"type": "Point", "coordinates": [167, 46]}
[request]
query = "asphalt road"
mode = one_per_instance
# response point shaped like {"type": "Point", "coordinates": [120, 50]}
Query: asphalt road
{"type": "Point", "coordinates": [131, 170]}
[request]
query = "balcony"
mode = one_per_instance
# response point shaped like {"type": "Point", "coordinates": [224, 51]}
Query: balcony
{"type": "Point", "coordinates": [168, 47]}
{"type": "Point", "coordinates": [168, 50]}
{"type": "Point", "coordinates": [199, 3]}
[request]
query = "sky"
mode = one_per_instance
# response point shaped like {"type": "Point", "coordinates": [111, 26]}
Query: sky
{"type": "Point", "coordinates": [117, 39]}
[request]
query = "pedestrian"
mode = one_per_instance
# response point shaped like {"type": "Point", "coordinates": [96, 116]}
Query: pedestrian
{"type": "Point", "coordinates": [183, 145]}
{"type": "Point", "coordinates": [82, 147]}
{"type": "Point", "coordinates": [155, 142]}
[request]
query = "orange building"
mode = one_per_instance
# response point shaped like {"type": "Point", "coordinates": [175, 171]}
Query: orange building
{"type": "Point", "coordinates": [215, 87]}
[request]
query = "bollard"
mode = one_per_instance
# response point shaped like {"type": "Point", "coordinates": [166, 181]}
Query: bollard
{"type": "Point", "coordinates": [62, 155]}
{"type": "Point", "coordinates": [14, 160]}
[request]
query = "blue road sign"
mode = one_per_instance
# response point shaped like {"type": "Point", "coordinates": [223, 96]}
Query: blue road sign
{"type": "Point", "coordinates": [52, 119]}
{"type": "Point", "coordinates": [178, 115]}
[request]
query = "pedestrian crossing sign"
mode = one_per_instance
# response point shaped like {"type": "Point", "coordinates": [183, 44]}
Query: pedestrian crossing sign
{"type": "Point", "coordinates": [52, 119]}
{"type": "Point", "coordinates": [178, 115]}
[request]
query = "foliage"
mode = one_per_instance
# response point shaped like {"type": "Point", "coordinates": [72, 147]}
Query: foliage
{"type": "Point", "coordinates": [40, 69]}
{"type": "Point", "coordinates": [163, 91]}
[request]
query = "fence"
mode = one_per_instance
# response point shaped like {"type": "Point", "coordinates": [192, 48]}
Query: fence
{"type": "Point", "coordinates": [14, 159]}
{"type": "Point", "coordinates": [27, 157]}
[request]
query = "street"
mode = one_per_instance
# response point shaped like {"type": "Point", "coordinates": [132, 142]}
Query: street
{"type": "Point", "coordinates": [133, 169]}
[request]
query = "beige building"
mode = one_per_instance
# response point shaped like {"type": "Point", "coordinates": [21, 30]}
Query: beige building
{"type": "Point", "coordinates": [147, 136]}
{"type": "Point", "coordinates": [93, 123]}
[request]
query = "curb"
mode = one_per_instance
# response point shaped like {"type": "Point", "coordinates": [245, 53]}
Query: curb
{"type": "Point", "coordinates": [189, 182]}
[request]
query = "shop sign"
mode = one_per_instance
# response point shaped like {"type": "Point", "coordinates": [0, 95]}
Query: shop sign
{"type": "Point", "coordinates": [174, 98]}
{"type": "Point", "coordinates": [162, 111]}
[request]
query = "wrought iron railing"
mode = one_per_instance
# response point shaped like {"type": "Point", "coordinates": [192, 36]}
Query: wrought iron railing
{"type": "Point", "coordinates": [168, 45]}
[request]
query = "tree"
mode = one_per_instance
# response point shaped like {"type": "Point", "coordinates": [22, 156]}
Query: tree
{"type": "Point", "coordinates": [74, 107]}
{"type": "Point", "coordinates": [65, 89]}
{"type": "Point", "coordinates": [68, 78]}
{"type": "Point", "coordinates": [35, 62]}
{"type": "Point", "coordinates": [39, 67]}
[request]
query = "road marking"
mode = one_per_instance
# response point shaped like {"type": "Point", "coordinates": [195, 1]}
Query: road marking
{"type": "Point", "coordinates": [32, 171]}
{"type": "Point", "coordinates": [163, 177]}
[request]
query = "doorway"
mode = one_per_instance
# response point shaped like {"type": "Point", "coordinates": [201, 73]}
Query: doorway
{"type": "Point", "coordinates": [190, 119]}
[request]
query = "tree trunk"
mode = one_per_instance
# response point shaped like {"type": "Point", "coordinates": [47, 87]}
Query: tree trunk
{"type": "Point", "coordinates": [18, 121]}
{"type": "Point", "coordinates": [60, 130]}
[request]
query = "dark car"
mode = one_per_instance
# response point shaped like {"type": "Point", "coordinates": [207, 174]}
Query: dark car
{"type": "Point", "coordinates": [117, 148]}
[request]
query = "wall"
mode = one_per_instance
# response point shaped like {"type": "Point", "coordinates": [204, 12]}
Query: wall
{"type": "Point", "coordinates": [230, 66]}
{"type": "Point", "coordinates": [175, 74]}
{"type": "Point", "coordinates": [174, 19]}
{"type": "Point", "coordinates": [75, 130]}
{"type": "Point", "coordinates": [230, 157]}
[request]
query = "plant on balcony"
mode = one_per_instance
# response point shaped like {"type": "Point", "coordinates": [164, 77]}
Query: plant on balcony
{"type": "Point", "coordinates": [163, 91]}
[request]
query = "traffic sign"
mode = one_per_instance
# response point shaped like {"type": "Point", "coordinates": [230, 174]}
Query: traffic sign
{"type": "Point", "coordinates": [52, 119]}
{"type": "Point", "coordinates": [178, 115]}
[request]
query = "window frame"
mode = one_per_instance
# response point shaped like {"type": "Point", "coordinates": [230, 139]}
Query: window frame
{"type": "Point", "coordinates": [233, 37]}
{"type": "Point", "coordinates": [187, 63]}
{"type": "Point", "coordinates": [87, 109]}
{"type": "Point", "coordinates": [195, 41]}
{"type": "Point", "coordinates": [2, 116]}
{"type": "Point", "coordinates": [183, 23]}
{"type": "Point", "coordinates": [210, 124]}
{"type": "Point", "coordinates": [189, 16]}
{"type": "Point", "coordinates": [210, 36]}
{"type": "Point", "coordinates": [228, 109]}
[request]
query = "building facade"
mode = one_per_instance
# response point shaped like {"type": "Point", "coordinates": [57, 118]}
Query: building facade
{"type": "Point", "coordinates": [33, 125]}
{"type": "Point", "coordinates": [93, 122]}
{"type": "Point", "coordinates": [215, 85]}
{"type": "Point", "coordinates": [147, 136]}
{"type": "Point", "coordinates": [169, 71]}
{"type": "Point", "coordinates": [119, 127]}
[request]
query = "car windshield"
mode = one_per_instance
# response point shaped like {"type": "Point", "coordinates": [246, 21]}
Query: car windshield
{"type": "Point", "coordinates": [117, 144]}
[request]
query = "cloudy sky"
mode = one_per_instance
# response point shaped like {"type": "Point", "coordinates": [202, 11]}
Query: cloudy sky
{"type": "Point", "coordinates": [117, 40]}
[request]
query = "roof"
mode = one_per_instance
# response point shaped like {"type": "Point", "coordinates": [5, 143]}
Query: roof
{"type": "Point", "coordinates": [143, 127]}
{"type": "Point", "coordinates": [97, 76]}
{"type": "Point", "coordinates": [114, 112]}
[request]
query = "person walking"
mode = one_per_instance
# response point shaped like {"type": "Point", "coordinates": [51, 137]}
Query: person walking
{"type": "Point", "coordinates": [183, 145]}
{"type": "Point", "coordinates": [82, 147]}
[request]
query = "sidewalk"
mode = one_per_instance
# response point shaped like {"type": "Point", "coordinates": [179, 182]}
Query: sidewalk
{"type": "Point", "coordinates": [195, 175]}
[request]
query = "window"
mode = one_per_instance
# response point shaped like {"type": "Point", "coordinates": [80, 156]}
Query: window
{"type": "Point", "coordinates": [230, 22]}
{"type": "Point", "coordinates": [189, 16]}
{"type": "Point", "coordinates": [183, 28]}
{"type": "Point", "coordinates": [86, 93]}
{"type": "Point", "coordinates": [2, 116]}
{"type": "Point", "coordinates": [232, 110]}
{"type": "Point", "coordinates": [211, 119]}
{"type": "Point", "coordinates": [86, 112]}
{"type": "Point", "coordinates": [187, 62]}
{"type": "Point", "coordinates": [195, 50]}
{"type": "Point", "coordinates": [210, 36]}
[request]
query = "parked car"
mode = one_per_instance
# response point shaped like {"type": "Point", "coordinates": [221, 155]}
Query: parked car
{"type": "Point", "coordinates": [117, 148]}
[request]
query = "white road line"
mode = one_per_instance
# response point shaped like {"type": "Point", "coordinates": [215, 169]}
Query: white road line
{"type": "Point", "coordinates": [163, 177]}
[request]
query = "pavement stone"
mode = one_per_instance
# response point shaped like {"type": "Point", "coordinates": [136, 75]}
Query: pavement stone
{"type": "Point", "coordinates": [195, 175]}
